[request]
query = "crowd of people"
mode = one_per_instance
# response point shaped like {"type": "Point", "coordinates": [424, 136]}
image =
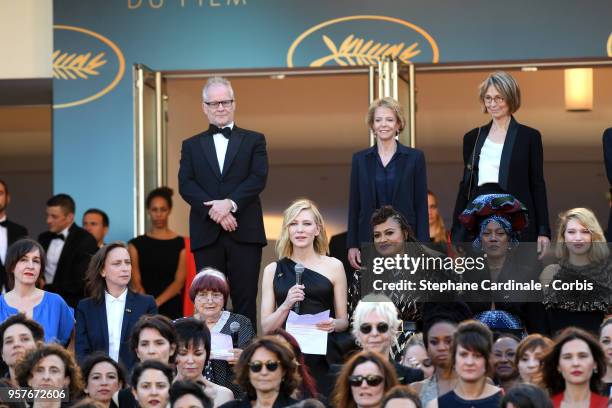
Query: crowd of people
{"type": "Point", "coordinates": [90, 323]}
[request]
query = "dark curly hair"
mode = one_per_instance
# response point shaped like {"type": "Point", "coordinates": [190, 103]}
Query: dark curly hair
{"type": "Point", "coordinates": [100, 357]}
{"type": "Point", "coordinates": [291, 379]}
{"type": "Point", "coordinates": [163, 192]}
{"type": "Point", "coordinates": [38, 333]}
{"type": "Point", "coordinates": [24, 370]}
{"type": "Point", "coordinates": [342, 395]}
{"type": "Point", "coordinates": [552, 378]}
{"type": "Point", "coordinates": [309, 386]}
{"type": "Point", "coordinates": [385, 212]}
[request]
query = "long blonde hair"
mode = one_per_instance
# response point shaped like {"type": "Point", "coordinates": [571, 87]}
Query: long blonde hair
{"type": "Point", "coordinates": [438, 223]}
{"type": "Point", "coordinates": [284, 247]}
{"type": "Point", "coordinates": [587, 219]}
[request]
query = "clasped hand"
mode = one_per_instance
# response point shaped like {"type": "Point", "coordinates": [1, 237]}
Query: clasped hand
{"type": "Point", "coordinates": [220, 212]}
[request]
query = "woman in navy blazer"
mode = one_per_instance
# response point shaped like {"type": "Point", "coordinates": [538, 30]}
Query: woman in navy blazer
{"type": "Point", "coordinates": [105, 319]}
{"type": "Point", "coordinates": [387, 173]}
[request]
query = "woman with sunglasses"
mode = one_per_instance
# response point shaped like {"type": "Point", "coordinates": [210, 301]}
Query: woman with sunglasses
{"type": "Point", "coordinates": [267, 372]}
{"type": "Point", "coordinates": [363, 381]}
{"type": "Point", "coordinates": [375, 326]}
{"type": "Point", "coordinates": [471, 359]}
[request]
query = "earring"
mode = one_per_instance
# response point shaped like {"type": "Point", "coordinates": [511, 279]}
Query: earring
{"type": "Point", "coordinates": [595, 370]}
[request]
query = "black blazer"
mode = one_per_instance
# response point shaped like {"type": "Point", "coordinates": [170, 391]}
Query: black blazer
{"type": "Point", "coordinates": [280, 402]}
{"type": "Point", "coordinates": [69, 280]}
{"type": "Point", "coordinates": [521, 174]}
{"type": "Point", "coordinates": [244, 175]}
{"type": "Point", "coordinates": [14, 232]}
{"type": "Point", "coordinates": [607, 148]}
{"type": "Point", "coordinates": [92, 326]}
{"type": "Point", "coordinates": [409, 194]}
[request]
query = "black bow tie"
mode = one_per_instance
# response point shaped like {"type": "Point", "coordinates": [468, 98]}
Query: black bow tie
{"type": "Point", "coordinates": [226, 131]}
{"type": "Point", "coordinates": [3, 223]}
{"type": "Point", "coordinates": [58, 236]}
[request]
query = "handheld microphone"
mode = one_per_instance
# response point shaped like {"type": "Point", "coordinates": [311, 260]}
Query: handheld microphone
{"type": "Point", "coordinates": [234, 329]}
{"type": "Point", "coordinates": [299, 270]}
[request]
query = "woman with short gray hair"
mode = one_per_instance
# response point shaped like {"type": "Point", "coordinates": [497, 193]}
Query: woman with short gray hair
{"type": "Point", "coordinates": [375, 326]}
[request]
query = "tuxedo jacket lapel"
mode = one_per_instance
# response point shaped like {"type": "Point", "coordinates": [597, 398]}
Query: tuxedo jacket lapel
{"type": "Point", "coordinates": [102, 320]}
{"type": "Point", "coordinates": [127, 317]}
{"type": "Point", "coordinates": [232, 148]}
{"type": "Point", "coordinates": [65, 251]}
{"type": "Point", "coordinates": [371, 171]}
{"type": "Point", "coordinates": [208, 147]}
{"type": "Point", "coordinates": [504, 165]}
{"type": "Point", "coordinates": [402, 162]}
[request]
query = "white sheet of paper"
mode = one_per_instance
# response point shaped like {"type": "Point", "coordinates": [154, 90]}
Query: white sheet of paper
{"type": "Point", "coordinates": [304, 329]}
{"type": "Point", "coordinates": [220, 346]}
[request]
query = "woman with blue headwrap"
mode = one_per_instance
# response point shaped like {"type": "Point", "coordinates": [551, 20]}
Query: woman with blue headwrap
{"type": "Point", "coordinates": [496, 220]}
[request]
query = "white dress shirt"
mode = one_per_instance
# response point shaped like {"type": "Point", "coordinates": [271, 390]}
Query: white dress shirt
{"type": "Point", "coordinates": [53, 255]}
{"type": "Point", "coordinates": [115, 308]}
{"type": "Point", "coordinates": [3, 241]}
{"type": "Point", "coordinates": [221, 146]}
{"type": "Point", "coordinates": [488, 165]}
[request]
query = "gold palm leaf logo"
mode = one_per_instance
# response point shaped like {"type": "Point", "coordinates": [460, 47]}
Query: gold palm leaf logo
{"type": "Point", "coordinates": [357, 51]}
{"type": "Point", "coordinates": [610, 45]}
{"type": "Point", "coordinates": [73, 66]}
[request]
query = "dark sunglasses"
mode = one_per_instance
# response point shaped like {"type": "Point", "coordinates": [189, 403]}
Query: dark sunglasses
{"type": "Point", "coordinates": [257, 365]}
{"type": "Point", "coordinates": [381, 327]}
{"type": "Point", "coordinates": [372, 380]}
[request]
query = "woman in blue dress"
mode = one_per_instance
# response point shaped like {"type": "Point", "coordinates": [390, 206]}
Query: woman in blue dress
{"type": "Point", "coordinates": [25, 263]}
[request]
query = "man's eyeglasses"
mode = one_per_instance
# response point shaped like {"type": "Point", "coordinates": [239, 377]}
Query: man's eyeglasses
{"type": "Point", "coordinates": [257, 365]}
{"type": "Point", "coordinates": [381, 328]}
{"type": "Point", "coordinates": [489, 99]}
{"type": "Point", "coordinates": [215, 105]}
{"type": "Point", "coordinates": [372, 380]}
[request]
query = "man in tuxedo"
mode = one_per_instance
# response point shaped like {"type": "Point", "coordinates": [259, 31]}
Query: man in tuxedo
{"type": "Point", "coordinates": [69, 249]}
{"type": "Point", "coordinates": [222, 172]}
{"type": "Point", "coordinates": [96, 222]}
{"type": "Point", "coordinates": [9, 231]}
{"type": "Point", "coordinates": [607, 147]}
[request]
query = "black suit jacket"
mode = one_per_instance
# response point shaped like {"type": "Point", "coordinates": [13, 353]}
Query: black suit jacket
{"type": "Point", "coordinates": [69, 280]}
{"type": "Point", "coordinates": [607, 148]}
{"type": "Point", "coordinates": [521, 174]}
{"type": "Point", "coordinates": [14, 232]}
{"type": "Point", "coordinates": [409, 195]}
{"type": "Point", "coordinates": [244, 175]}
{"type": "Point", "coordinates": [92, 326]}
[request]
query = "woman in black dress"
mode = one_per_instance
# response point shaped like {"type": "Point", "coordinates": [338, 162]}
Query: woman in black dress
{"type": "Point", "coordinates": [584, 257]}
{"type": "Point", "coordinates": [504, 156]}
{"type": "Point", "coordinates": [303, 240]}
{"type": "Point", "coordinates": [158, 257]}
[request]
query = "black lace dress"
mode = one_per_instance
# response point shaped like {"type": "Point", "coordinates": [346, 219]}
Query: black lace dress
{"type": "Point", "coordinates": [581, 306]}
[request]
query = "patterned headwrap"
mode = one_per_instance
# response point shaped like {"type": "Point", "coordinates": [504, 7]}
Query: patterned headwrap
{"type": "Point", "coordinates": [504, 209]}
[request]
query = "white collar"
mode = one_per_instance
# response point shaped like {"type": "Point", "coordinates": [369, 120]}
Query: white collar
{"type": "Point", "coordinates": [110, 298]}
{"type": "Point", "coordinates": [64, 232]}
